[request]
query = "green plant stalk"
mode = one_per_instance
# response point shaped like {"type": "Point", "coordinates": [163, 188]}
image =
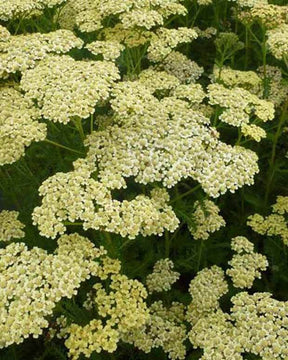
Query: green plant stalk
{"type": "Point", "coordinates": [63, 146]}
{"type": "Point", "coordinates": [271, 170]}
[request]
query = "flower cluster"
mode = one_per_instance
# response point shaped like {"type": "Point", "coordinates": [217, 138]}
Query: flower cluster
{"type": "Point", "coordinates": [239, 105]}
{"type": "Point", "coordinates": [205, 219]}
{"type": "Point", "coordinates": [15, 135]}
{"type": "Point", "coordinates": [246, 265]}
{"type": "Point", "coordinates": [278, 41]}
{"type": "Point", "coordinates": [22, 52]}
{"type": "Point", "coordinates": [123, 309]}
{"type": "Point", "coordinates": [110, 50]}
{"type": "Point", "coordinates": [181, 145]}
{"type": "Point", "coordinates": [274, 224]}
{"type": "Point", "coordinates": [207, 287]}
{"type": "Point", "coordinates": [33, 281]}
{"type": "Point", "coordinates": [145, 14]}
{"type": "Point", "coordinates": [92, 203]}
{"type": "Point", "coordinates": [182, 67]}
{"type": "Point", "coordinates": [257, 324]}
{"type": "Point", "coordinates": [162, 276]}
{"type": "Point", "coordinates": [10, 226]}
{"type": "Point", "coordinates": [165, 328]}
{"type": "Point", "coordinates": [10, 9]}
{"type": "Point", "coordinates": [165, 40]}
{"type": "Point", "coordinates": [65, 88]}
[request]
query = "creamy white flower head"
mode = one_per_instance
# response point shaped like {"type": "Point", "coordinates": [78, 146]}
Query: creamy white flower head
{"type": "Point", "coordinates": [65, 88]}
{"type": "Point", "coordinates": [110, 50]}
{"type": "Point", "coordinates": [33, 281]}
{"type": "Point", "coordinates": [246, 265]}
{"type": "Point", "coordinates": [278, 42]}
{"type": "Point", "coordinates": [10, 9]}
{"type": "Point", "coordinates": [162, 276]}
{"type": "Point", "coordinates": [165, 328]}
{"type": "Point", "coordinates": [15, 135]}
{"type": "Point", "coordinates": [274, 224]}
{"type": "Point", "coordinates": [10, 226]}
{"type": "Point", "coordinates": [206, 219]}
{"type": "Point", "coordinates": [22, 52]}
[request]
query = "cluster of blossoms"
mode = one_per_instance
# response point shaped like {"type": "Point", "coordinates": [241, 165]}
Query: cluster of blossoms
{"type": "Point", "coordinates": [257, 323]}
{"type": "Point", "coordinates": [205, 219]}
{"type": "Point", "coordinates": [33, 281]}
{"type": "Point", "coordinates": [179, 65]}
{"type": "Point", "coordinates": [10, 226]}
{"type": "Point", "coordinates": [173, 143]}
{"type": "Point", "coordinates": [246, 265]}
{"type": "Point", "coordinates": [88, 16]}
{"type": "Point", "coordinates": [110, 50]}
{"type": "Point", "coordinates": [10, 9]}
{"type": "Point", "coordinates": [278, 41]}
{"type": "Point", "coordinates": [268, 15]}
{"type": "Point", "coordinates": [239, 106]}
{"type": "Point", "coordinates": [75, 196]}
{"type": "Point", "coordinates": [276, 91]}
{"type": "Point", "coordinates": [165, 328]}
{"type": "Point", "coordinates": [122, 308]}
{"type": "Point", "coordinates": [15, 135]}
{"type": "Point", "coordinates": [65, 89]}
{"type": "Point", "coordinates": [207, 287]}
{"type": "Point", "coordinates": [23, 52]}
{"type": "Point", "coordinates": [275, 224]}
{"type": "Point", "coordinates": [162, 276]}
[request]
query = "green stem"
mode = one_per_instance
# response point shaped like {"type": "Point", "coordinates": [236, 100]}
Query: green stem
{"type": "Point", "coordinates": [78, 124]}
{"type": "Point", "coordinates": [271, 170]}
{"type": "Point", "coordinates": [167, 245]}
{"type": "Point", "coordinates": [63, 146]}
{"type": "Point", "coordinates": [186, 193]}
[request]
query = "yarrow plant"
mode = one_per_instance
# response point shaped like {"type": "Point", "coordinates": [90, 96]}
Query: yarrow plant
{"type": "Point", "coordinates": [142, 143]}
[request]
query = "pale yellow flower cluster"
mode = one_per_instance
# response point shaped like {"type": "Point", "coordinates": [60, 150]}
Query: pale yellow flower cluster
{"type": "Point", "coordinates": [250, 3]}
{"type": "Point", "coordinates": [10, 9]}
{"type": "Point", "coordinates": [262, 322]}
{"type": "Point", "coordinates": [165, 140]}
{"type": "Point", "coordinates": [89, 15]}
{"type": "Point", "coordinates": [277, 87]}
{"type": "Point", "coordinates": [92, 203]}
{"type": "Point", "coordinates": [33, 281]}
{"type": "Point", "coordinates": [205, 220]}
{"type": "Point", "coordinates": [275, 224]}
{"type": "Point", "coordinates": [239, 105]}
{"type": "Point", "coordinates": [248, 80]}
{"type": "Point", "coordinates": [18, 125]}
{"type": "Point", "coordinates": [65, 88]}
{"type": "Point", "coordinates": [253, 131]}
{"type": "Point", "coordinates": [278, 41]}
{"type": "Point", "coordinates": [269, 15]}
{"type": "Point", "coordinates": [162, 276]}
{"type": "Point", "coordinates": [122, 308]}
{"type": "Point", "coordinates": [110, 50]}
{"type": "Point", "coordinates": [10, 226]}
{"type": "Point", "coordinates": [22, 52]}
{"type": "Point", "coordinates": [165, 40]}
{"type": "Point", "coordinates": [165, 328]}
{"type": "Point", "coordinates": [207, 287]}
{"type": "Point", "coordinates": [194, 93]}
{"type": "Point", "coordinates": [257, 323]}
{"type": "Point", "coordinates": [246, 265]}
{"type": "Point", "coordinates": [4, 34]}
{"type": "Point", "coordinates": [182, 67]}
{"type": "Point", "coordinates": [130, 37]}
{"type": "Point", "coordinates": [204, 2]}
{"type": "Point", "coordinates": [154, 80]}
